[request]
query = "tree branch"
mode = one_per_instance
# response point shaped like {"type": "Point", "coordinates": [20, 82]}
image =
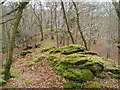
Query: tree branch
{"type": "Point", "coordinates": [8, 20]}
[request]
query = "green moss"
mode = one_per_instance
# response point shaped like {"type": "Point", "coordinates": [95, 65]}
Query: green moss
{"type": "Point", "coordinates": [94, 65]}
{"type": "Point", "coordinates": [29, 54]}
{"type": "Point", "coordinates": [81, 52]}
{"type": "Point", "coordinates": [113, 70]}
{"type": "Point", "coordinates": [55, 50]}
{"type": "Point", "coordinates": [74, 59]}
{"type": "Point", "coordinates": [71, 85]}
{"type": "Point", "coordinates": [10, 86]}
{"type": "Point", "coordinates": [28, 82]}
{"type": "Point", "coordinates": [116, 76]}
{"type": "Point", "coordinates": [15, 73]}
{"type": "Point", "coordinates": [2, 81]}
{"type": "Point", "coordinates": [31, 64]}
{"type": "Point", "coordinates": [22, 62]}
{"type": "Point", "coordinates": [2, 71]}
{"type": "Point", "coordinates": [111, 60]}
{"type": "Point", "coordinates": [72, 48]}
{"type": "Point", "coordinates": [81, 75]}
{"type": "Point", "coordinates": [52, 57]}
{"type": "Point", "coordinates": [61, 68]}
{"type": "Point", "coordinates": [108, 59]}
{"type": "Point", "coordinates": [109, 83]}
{"type": "Point", "coordinates": [39, 59]}
{"type": "Point", "coordinates": [24, 53]}
{"type": "Point", "coordinates": [48, 48]}
{"type": "Point", "coordinates": [36, 60]}
{"type": "Point", "coordinates": [94, 85]}
{"type": "Point", "coordinates": [16, 56]}
{"type": "Point", "coordinates": [90, 52]}
{"type": "Point", "coordinates": [102, 76]}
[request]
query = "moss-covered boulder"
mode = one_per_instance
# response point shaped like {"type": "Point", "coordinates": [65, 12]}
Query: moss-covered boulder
{"type": "Point", "coordinates": [116, 76]}
{"type": "Point", "coordinates": [94, 85]}
{"type": "Point", "coordinates": [38, 59]}
{"type": "Point", "coordinates": [24, 53]}
{"type": "Point", "coordinates": [72, 48]}
{"type": "Point", "coordinates": [48, 48]}
{"type": "Point", "coordinates": [37, 45]}
{"type": "Point", "coordinates": [71, 85]}
{"type": "Point", "coordinates": [2, 81]}
{"type": "Point", "coordinates": [52, 57]}
{"type": "Point", "coordinates": [78, 75]}
{"type": "Point", "coordinates": [113, 70]}
{"type": "Point", "coordinates": [28, 47]}
{"type": "Point", "coordinates": [55, 50]}
{"type": "Point", "coordinates": [75, 59]}
{"type": "Point", "coordinates": [90, 52]}
{"type": "Point", "coordinates": [2, 71]}
{"type": "Point", "coordinates": [82, 62]}
{"type": "Point", "coordinates": [102, 76]}
{"type": "Point", "coordinates": [94, 65]}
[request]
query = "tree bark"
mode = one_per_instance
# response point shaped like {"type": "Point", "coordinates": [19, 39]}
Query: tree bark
{"type": "Point", "coordinates": [12, 41]}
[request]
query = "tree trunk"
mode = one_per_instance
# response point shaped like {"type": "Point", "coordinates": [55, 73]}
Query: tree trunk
{"type": "Point", "coordinates": [51, 22]}
{"type": "Point", "coordinates": [12, 41]}
{"type": "Point", "coordinates": [68, 28]}
{"type": "Point", "coordinates": [78, 25]}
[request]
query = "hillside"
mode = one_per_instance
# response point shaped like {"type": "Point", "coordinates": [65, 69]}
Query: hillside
{"type": "Point", "coordinates": [68, 67]}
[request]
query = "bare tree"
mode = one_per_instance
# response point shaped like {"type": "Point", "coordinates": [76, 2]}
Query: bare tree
{"type": "Point", "coordinates": [13, 36]}
{"type": "Point", "coordinates": [65, 17]}
{"type": "Point", "coordinates": [78, 25]}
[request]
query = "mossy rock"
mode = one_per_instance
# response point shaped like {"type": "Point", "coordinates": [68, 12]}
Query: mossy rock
{"type": "Point", "coordinates": [37, 45]}
{"type": "Point", "coordinates": [39, 59]}
{"type": "Point", "coordinates": [72, 48]}
{"type": "Point", "coordinates": [2, 71]}
{"type": "Point", "coordinates": [2, 81]}
{"type": "Point", "coordinates": [36, 60]}
{"type": "Point", "coordinates": [61, 68]}
{"type": "Point", "coordinates": [31, 64]}
{"type": "Point", "coordinates": [24, 53]}
{"type": "Point", "coordinates": [72, 85]}
{"type": "Point", "coordinates": [28, 47]}
{"type": "Point", "coordinates": [113, 70]}
{"type": "Point", "coordinates": [102, 76]}
{"type": "Point", "coordinates": [81, 75]}
{"type": "Point", "coordinates": [52, 57]}
{"type": "Point", "coordinates": [48, 48]}
{"type": "Point", "coordinates": [74, 59]}
{"type": "Point", "coordinates": [55, 50]}
{"type": "Point", "coordinates": [94, 85]}
{"type": "Point", "coordinates": [90, 52]}
{"type": "Point", "coordinates": [116, 76]}
{"type": "Point", "coordinates": [94, 65]}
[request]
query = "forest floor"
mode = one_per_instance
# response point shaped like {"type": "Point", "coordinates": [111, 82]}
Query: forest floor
{"type": "Point", "coordinates": [41, 74]}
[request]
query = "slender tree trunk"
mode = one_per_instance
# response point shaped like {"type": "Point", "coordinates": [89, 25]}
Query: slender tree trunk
{"type": "Point", "coordinates": [68, 28]}
{"type": "Point", "coordinates": [56, 25]}
{"type": "Point", "coordinates": [41, 29]}
{"type": "Point", "coordinates": [12, 42]}
{"type": "Point", "coordinates": [52, 37]}
{"type": "Point", "coordinates": [78, 25]}
{"type": "Point", "coordinates": [40, 21]}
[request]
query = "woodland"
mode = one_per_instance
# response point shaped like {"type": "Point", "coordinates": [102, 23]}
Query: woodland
{"type": "Point", "coordinates": [59, 44]}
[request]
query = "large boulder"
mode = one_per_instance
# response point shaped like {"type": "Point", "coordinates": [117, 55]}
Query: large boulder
{"type": "Point", "coordinates": [72, 48]}
{"type": "Point", "coordinates": [82, 62]}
